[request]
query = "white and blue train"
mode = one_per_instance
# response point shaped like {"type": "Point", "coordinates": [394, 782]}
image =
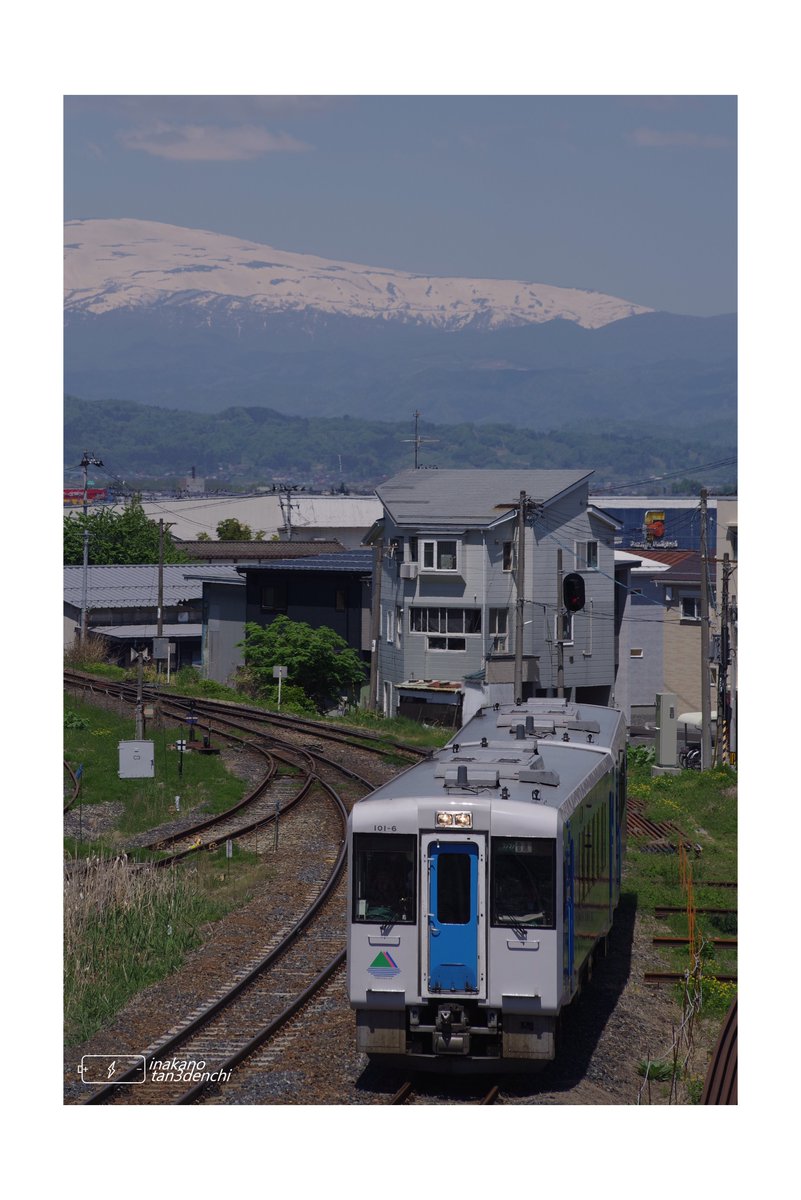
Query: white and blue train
{"type": "Point", "coordinates": [481, 883]}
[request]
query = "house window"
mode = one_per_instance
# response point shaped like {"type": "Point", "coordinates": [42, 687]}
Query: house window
{"type": "Point", "coordinates": [439, 556]}
{"type": "Point", "coordinates": [390, 624]}
{"type": "Point", "coordinates": [509, 556]}
{"type": "Point", "coordinates": [412, 549]}
{"type": "Point", "coordinates": [274, 597]}
{"type": "Point", "coordinates": [443, 623]}
{"type": "Point", "coordinates": [636, 652]}
{"type": "Point", "coordinates": [690, 608]}
{"type": "Point", "coordinates": [398, 626]}
{"type": "Point", "coordinates": [586, 556]}
{"type": "Point", "coordinates": [339, 602]}
{"type": "Point", "coordinates": [499, 629]}
{"type": "Point", "coordinates": [445, 620]}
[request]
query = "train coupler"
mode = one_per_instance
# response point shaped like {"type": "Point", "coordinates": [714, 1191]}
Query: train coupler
{"type": "Point", "coordinates": [451, 1034]}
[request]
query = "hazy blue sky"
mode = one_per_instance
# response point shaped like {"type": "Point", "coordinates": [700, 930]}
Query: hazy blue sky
{"type": "Point", "coordinates": [630, 195]}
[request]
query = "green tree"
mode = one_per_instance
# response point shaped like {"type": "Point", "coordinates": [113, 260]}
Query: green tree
{"type": "Point", "coordinates": [117, 538]}
{"type": "Point", "coordinates": [317, 660]}
{"type": "Point", "coordinates": [232, 530]}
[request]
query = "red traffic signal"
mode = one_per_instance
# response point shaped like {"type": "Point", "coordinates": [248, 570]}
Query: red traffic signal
{"type": "Point", "coordinates": [573, 592]}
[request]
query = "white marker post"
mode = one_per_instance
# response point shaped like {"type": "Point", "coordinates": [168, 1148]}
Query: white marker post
{"type": "Point", "coordinates": [279, 673]}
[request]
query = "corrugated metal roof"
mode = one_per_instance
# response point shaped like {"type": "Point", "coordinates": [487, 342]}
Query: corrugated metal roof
{"type": "Point", "coordinates": [359, 561]}
{"type": "Point", "coordinates": [469, 497]}
{"type": "Point", "coordinates": [430, 685]}
{"type": "Point", "coordinates": [245, 551]}
{"type": "Point", "coordinates": [174, 630]}
{"type": "Point", "coordinates": [137, 586]}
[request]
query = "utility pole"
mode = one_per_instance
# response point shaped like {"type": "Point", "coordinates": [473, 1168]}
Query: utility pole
{"type": "Point", "coordinates": [521, 584]}
{"type": "Point", "coordinates": [733, 689]}
{"type": "Point", "coordinates": [560, 629]}
{"type": "Point", "coordinates": [140, 713]}
{"type": "Point", "coordinates": [705, 704]}
{"type": "Point", "coordinates": [84, 585]}
{"type": "Point", "coordinates": [88, 461]}
{"type": "Point", "coordinates": [285, 491]}
{"type": "Point", "coordinates": [375, 631]}
{"type": "Point", "coordinates": [723, 742]}
{"type": "Point", "coordinates": [160, 607]}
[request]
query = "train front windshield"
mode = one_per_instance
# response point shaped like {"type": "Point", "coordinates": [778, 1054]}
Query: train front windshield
{"type": "Point", "coordinates": [523, 882]}
{"type": "Point", "coordinates": [384, 878]}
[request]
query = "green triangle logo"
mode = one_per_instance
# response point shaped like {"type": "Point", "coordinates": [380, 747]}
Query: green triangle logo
{"type": "Point", "coordinates": [381, 962]}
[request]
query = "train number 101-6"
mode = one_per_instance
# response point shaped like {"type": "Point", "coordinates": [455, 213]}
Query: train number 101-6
{"type": "Point", "coordinates": [385, 829]}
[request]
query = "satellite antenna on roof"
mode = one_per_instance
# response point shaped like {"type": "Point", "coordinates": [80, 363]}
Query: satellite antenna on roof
{"type": "Point", "coordinates": [418, 441]}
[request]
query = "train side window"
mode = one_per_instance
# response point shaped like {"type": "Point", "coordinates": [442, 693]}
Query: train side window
{"type": "Point", "coordinates": [384, 878]}
{"type": "Point", "coordinates": [523, 882]}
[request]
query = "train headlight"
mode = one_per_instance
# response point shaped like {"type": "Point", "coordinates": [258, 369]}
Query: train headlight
{"type": "Point", "coordinates": [454, 820]}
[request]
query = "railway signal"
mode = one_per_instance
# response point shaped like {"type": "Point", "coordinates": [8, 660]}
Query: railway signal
{"type": "Point", "coordinates": [573, 592]}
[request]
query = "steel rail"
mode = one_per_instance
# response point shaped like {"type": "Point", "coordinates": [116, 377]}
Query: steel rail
{"type": "Point", "coordinates": [720, 1085]}
{"type": "Point", "coordinates": [76, 786]}
{"type": "Point", "coordinates": [679, 976]}
{"type": "Point", "coordinates": [346, 734]}
{"type": "Point", "coordinates": [264, 1035]}
{"type": "Point", "coordinates": [165, 1049]}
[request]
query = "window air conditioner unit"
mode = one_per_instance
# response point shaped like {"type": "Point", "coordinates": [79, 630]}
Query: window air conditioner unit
{"type": "Point", "coordinates": [408, 570]}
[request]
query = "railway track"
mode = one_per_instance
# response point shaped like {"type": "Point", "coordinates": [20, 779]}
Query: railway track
{"type": "Point", "coordinates": [296, 727]}
{"type": "Point", "coordinates": [408, 1093]}
{"type": "Point", "coordinates": [263, 994]}
{"type": "Point", "coordinates": [256, 1005]}
{"type": "Point", "coordinates": [75, 787]}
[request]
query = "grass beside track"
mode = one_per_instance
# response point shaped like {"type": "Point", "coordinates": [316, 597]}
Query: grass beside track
{"type": "Point", "coordinates": [91, 738]}
{"type": "Point", "coordinates": [704, 807]}
{"type": "Point", "coordinates": [188, 682]}
{"type": "Point", "coordinates": [124, 929]}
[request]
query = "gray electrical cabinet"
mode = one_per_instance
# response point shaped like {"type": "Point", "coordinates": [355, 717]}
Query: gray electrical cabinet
{"type": "Point", "coordinates": [666, 730]}
{"type": "Point", "coordinates": [137, 760]}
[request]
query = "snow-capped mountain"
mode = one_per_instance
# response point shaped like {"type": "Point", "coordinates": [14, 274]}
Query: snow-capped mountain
{"type": "Point", "coordinates": [113, 265]}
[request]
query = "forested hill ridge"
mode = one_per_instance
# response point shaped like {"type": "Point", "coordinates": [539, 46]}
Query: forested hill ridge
{"type": "Point", "coordinates": [247, 446]}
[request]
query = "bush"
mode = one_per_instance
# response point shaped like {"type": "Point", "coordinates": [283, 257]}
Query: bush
{"type": "Point", "coordinates": [318, 661]}
{"type": "Point", "coordinates": [82, 655]}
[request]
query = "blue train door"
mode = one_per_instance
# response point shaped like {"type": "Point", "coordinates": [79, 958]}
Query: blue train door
{"type": "Point", "coordinates": [453, 917]}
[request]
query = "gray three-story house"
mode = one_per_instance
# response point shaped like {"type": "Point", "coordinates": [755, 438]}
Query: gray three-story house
{"type": "Point", "coordinates": [450, 580]}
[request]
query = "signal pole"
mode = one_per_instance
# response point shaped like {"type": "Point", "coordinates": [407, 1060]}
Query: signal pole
{"type": "Point", "coordinates": [521, 584]}
{"type": "Point", "coordinates": [560, 628]}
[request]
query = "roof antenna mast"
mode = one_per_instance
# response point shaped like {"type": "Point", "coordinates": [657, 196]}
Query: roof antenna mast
{"type": "Point", "coordinates": [418, 441]}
